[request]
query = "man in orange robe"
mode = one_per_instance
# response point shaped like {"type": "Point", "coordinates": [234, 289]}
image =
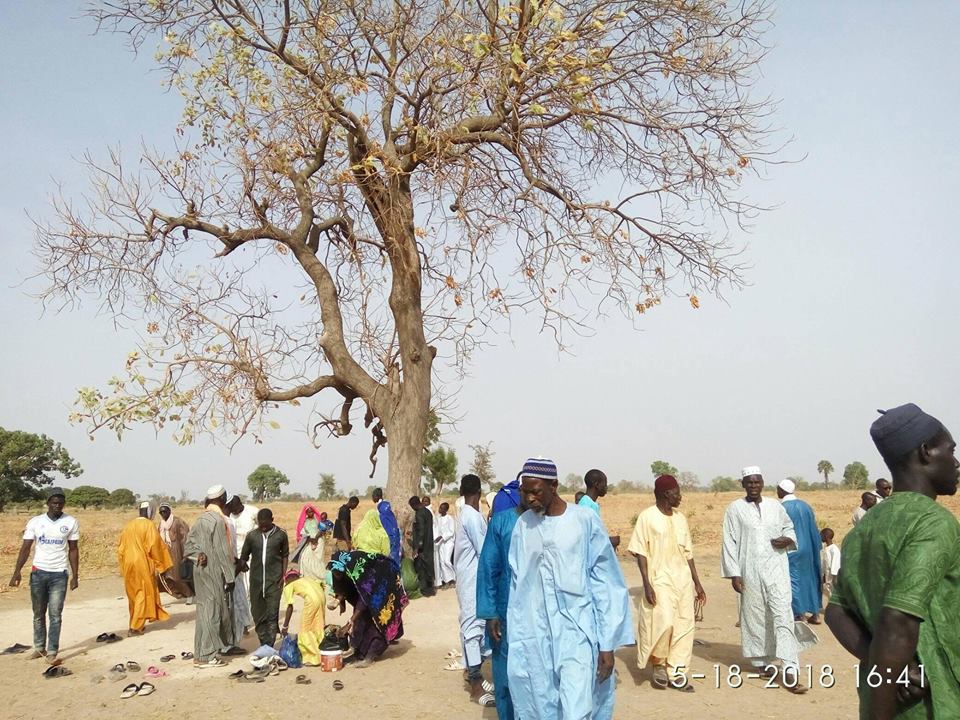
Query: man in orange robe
{"type": "Point", "coordinates": [142, 554]}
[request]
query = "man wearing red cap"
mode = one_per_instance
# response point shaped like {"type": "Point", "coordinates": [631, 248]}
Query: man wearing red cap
{"type": "Point", "coordinates": [661, 543]}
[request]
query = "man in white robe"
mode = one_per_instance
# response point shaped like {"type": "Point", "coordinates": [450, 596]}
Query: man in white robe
{"type": "Point", "coordinates": [445, 529]}
{"type": "Point", "coordinates": [241, 523]}
{"type": "Point", "coordinates": [467, 544]}
{"type": "Point", "coordinates": [757, 533]}
{"type": "Point", "coordinates": [569, 609]}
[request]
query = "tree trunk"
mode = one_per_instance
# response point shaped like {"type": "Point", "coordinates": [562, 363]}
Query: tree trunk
{"type": "Point", "coordinates": [405, 431]}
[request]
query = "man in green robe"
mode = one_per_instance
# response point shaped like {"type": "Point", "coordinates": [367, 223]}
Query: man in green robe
{"type": "Point", "coordinates": [896, 599]}
{"type": "Point", "coordinates": [266, 552]}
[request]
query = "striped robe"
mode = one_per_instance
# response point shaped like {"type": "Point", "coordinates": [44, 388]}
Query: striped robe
{"type": "Point", "coordinates": [214, 626]}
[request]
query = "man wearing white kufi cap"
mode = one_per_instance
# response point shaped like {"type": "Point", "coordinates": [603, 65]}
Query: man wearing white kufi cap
{"type": "Point", "coordinates": [805, 588]}
{"type": "Point", "coordinates": [209, 546]}
{"type": "Point", "coordinates": [757, 532]}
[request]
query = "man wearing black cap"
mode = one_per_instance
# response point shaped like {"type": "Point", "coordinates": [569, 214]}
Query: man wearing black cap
{"type": "Point", "coordinates": [57, 538]}
{"type": "Point", "coordinates": [898, 591]}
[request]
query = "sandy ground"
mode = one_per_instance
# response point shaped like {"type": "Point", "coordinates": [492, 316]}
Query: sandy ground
{"type": "Point", "coordinates": [409, 681]}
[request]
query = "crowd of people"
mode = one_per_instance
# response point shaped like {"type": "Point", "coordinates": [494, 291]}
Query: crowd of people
{"type": "Point", "coordinates": [541, 592]}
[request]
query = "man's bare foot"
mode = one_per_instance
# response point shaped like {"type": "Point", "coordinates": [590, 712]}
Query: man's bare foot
{"type": "Point", "coordinates": [53, 660]}
{"type": "Point", "coordinates": [37, 654]}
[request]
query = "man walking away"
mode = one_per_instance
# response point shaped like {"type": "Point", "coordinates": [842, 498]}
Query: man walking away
{"type": "Point", "coordinates": [57, 537]}
{"type": "Point", "coordinates": [421, 541]}
{"type": "Point", "coordinates": [805, 588]}
{"type": "Point", "coordinates": [342, 527]}
{"type": "Point", "coordinates": [265, 554]}
{"type": "Point", "coordinates": [466, 555]}
{"type": "Point", "coordinates": [142, 555]}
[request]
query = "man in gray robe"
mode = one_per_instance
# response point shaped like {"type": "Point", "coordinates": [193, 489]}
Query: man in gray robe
{"type": "Point", "coordinates": [757, 533]}
{"type": "Point", "coordinates": [214, 573]}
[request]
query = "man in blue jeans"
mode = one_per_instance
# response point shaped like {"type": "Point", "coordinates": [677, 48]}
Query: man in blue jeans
{"type": "Point", "coordinates": [56, 536]}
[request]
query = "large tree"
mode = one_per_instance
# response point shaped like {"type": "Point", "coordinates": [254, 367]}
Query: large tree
{"type": "Point", "coordinates": [86, 495]}
{"type": "Point", "coordinates": [439, 469]}
{"type": "Point", "coordinates": [28, 462]}
{"type": "Point", "coordinates": [662, 467]}
{"type": "Point", "coordinates": [361, 185]}
{"type": "Point", "coordinates": [265, 482]}
{"type": "Point", "coordinates": [327, 487]}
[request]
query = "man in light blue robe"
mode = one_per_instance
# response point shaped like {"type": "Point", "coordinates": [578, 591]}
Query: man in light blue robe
{"type": "Point", "coordinates": [493, 594]}
{"type": "Point", "coordinates": [805, 560]}
{"type": "Point", "coordinates": [467, 545]}
{"type": "Point", "coordinates": [569, 609]}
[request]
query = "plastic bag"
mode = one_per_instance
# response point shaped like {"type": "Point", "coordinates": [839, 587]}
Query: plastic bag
{"type": "Point", "coordinates": [331, 641]}
{"type": "Point", "coordinates": [290, 651]}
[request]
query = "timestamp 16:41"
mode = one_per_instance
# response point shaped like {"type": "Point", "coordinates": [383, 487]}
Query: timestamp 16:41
{"type": "Point", "coordinates": [874, 677]}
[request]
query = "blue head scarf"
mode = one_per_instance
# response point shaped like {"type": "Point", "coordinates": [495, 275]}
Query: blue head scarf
{"type": "Point", "coordinates": [389, 522]}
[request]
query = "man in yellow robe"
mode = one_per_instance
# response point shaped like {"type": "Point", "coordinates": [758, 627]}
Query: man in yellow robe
{"type": "Point", "coordinates": [661, 543]}
{"type": "Point", "coordinates": [142, 554]}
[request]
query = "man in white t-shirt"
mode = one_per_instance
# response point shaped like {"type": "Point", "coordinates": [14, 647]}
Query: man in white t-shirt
{"type": "Point", "coordinates": [56, 536]}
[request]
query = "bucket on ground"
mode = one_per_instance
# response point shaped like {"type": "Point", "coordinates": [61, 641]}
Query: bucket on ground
{"type": "Point", "coordinates": [331, 660]}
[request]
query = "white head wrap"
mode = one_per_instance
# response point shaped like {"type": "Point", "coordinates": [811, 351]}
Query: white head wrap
{"type": "Point", "coordinates": [788, 486]}
{"type": "Point", "coordinates": [750, 470]}
{"type": "Point", "coordinates": [215, 491]}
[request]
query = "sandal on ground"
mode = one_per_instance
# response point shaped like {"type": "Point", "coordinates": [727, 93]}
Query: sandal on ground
{"type": "Point", "coordinates": [235, 675]}
{"type": "Point", "coordinates": [303, 680]}
{"type": "Point", "coordinates": [660, 678]}
{"type": "Point", "coordinates": [251, 678]}
{"type": "Point", "coordinates": [112, 638]}
{"type": "Point", "coordinates": [153, 672]}
{"type": "Point", "coordinates": [15, 649]}
{"type": "Point", "coordinates": [234, 651]}
{"type": "Point", "coordinates": [146, 689]}
{"type": "Point", "coordinates": [338, 684]}
{"type": "Point", "coordinates": [215, 663]}
{"type": "Point", "coordinates": [486, 700]}
{"type": "Point", "coordinates": [686, 687]}
{"type": "Point", "coordinates": [56, 671]}
{"type": "Point", "coordinates": [454, 665]}
{"type": "Point", "coordinates": [186, 655]}
{"type": "Point", "coordinates": [453, 654]}
{"type": "Point", "coordinates": [129, 691]}
{"type": "Point", "coordinates": [487, 686]}
{"type": "Point", "coordinates": [102, 637]}
{"type": "Point", "coordinates": [133, 666]}
{"type": "Point", "coordinates": [168, 658]}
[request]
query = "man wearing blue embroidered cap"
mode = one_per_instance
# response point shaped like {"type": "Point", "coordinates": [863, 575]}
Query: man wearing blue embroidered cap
{"type": "Point", "coordinates": [897, 594]}
{"type": "Point", "coordinates": [569, 607]}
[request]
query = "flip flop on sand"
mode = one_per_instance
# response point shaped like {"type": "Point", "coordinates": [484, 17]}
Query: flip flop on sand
{"type": "Point", "coordinates": [117, 672]}
{"type": "Point", "coordinates": [186, 655]}
{"type": "Point", "coordinates": [235, 675]}
{"type": "Point", "coordinates": [102, 637]}
{"type": "Point", "coordinates": [250, 678]}
{"type": "Point", "coordinates": [168, 658]}
{"type": "Point", "coordinates": [56, 671]}
{"type": "Point", "coordinates": [146, 689]}
{"type": "Point", "coordinates": [487, 686]}
{"type": "Point", "coordinates": [15, 649]}
{"type": "Point", "coordinates": [453, 654]}
{"type": "Point", "coordinates": [338, 684]}
{"type": "Point", "coordinates": [215, 663]}
{"type": "Point", "coordinates": [486, 700]}
{"type": "Point", "coordinates": [154, 672]}
{"type": "Point", "coordinates": [453, 665]}
{"type": "Point", "coordinates": [133, 666]}
{"type": "Point", "coordinates": [129, 691]}
{"type": "Point", "coordinates": [303, 680]}
{"type": "Point", "coordinates": [660, 678]}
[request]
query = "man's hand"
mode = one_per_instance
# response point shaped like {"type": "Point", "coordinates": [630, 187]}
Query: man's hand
{"type": "Point", "coordinates": [283, 631]}
{"type": "Point", "coordinates": [615, 541]}
{"type": "Point", "coordinates": [493, 628]}
{"type": "Point", "coordinates": [917, 689]}
{"type": "Point", "coordinates": [74, 582]}
{"type": "Point", "coordinates": [15, 579]}
{"type": "Point", "coordinates": [604, 665]}
{"type": "Point", "coordinates": [701, 593]}
{"type": "Point", "coordinates": [345, 629]}
{"type": "Point", "coordinates": [229, 587]}
{"type": "Point", "coordinates": [737, 584]}
{"type": "Point", "coordinates": [781, 543]}
{"type": "Point", "coordinates": [649, 595]}
{"type": "Point", "coordinates": [201, 560]}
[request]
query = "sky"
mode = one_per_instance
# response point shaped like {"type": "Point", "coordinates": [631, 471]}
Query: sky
{"type": "Point", "coordinates": [849, 308]}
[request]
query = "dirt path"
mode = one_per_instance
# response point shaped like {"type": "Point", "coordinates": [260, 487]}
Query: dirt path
{"type": "Point", "coordinates": [408, 682]}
